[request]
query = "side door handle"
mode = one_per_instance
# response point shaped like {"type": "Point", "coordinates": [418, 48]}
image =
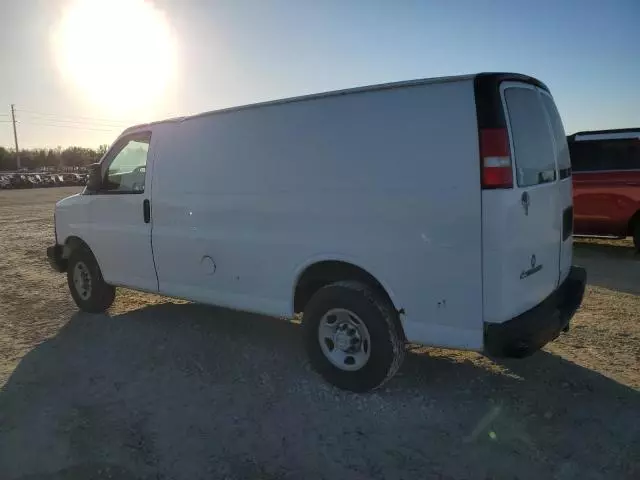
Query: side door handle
{"type": "Point", "coordinates": [146, 210]}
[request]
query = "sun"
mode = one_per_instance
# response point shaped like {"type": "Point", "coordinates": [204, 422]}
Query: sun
{"type": "Point", "coordinates": [120, 54]}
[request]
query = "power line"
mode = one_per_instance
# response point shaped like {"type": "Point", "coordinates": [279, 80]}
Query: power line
{"type": "Point", "coordinates": [100, 119]}
{"type": "Point", "coordinates": [65, 121]}
{"type": "Point", "coordinates": [73, 122]}
{"type": "Point", "coordinates": [77, 127]}
{"type": "Point", "coordinates": [73, 117]}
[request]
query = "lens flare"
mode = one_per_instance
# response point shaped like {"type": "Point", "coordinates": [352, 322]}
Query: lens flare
{"type": "Point", "coordinates": [120, 54]}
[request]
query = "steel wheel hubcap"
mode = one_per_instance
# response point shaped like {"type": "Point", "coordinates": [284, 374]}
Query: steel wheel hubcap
{"type": "Point", "coordinates": [82, 280]}
{"type": "Point", "coordinates": [344, 339]}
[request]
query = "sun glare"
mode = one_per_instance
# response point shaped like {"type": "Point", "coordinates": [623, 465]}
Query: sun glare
{"type": "Point", "coordinates": [121, 54]}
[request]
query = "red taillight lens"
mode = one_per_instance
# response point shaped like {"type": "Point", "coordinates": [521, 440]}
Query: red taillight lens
{"type": "Point", "coordinates": [496, 158]}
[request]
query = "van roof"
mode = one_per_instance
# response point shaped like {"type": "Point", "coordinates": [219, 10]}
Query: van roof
{"type": "Point", "coordinates": [499, 76]}
{"type": "Point", "coordinates": [612, 134]}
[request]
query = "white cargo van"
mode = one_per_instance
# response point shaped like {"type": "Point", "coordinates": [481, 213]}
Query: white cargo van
{"type": "Point", "coordinates": [434, 211]}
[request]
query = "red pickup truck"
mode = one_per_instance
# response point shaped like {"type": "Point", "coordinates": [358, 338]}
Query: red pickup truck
{"type": "Point", "coordinates": [606, 183]}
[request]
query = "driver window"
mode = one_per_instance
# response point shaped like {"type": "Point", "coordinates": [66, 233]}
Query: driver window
{"type": "Point", "coordinates": [126, 171]}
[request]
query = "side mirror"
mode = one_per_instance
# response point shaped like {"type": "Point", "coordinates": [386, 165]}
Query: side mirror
{"type": "Point", "coordinates": [95, 178]}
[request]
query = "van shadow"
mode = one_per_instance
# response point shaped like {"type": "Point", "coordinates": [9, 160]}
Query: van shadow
{"type": "Point", "coordinates": [622, 250]}
{"type": "Point", "coordinates": [189, 391]}
{"type": "Point", "coordinates": [616, 267]}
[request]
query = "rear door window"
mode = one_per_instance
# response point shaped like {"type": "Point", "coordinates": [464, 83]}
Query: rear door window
{"type": "Point", "coordinates": [559, 136]}
{"type": "Point", "coordinates": [532, 142]}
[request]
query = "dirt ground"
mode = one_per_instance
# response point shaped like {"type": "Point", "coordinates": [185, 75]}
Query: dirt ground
{"type": "Point", "coordinates": [161, 389]}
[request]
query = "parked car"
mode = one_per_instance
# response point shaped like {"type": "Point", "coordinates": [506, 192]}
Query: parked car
{"type": "Point", "coordinates": [24, 181]}
{"type": "Point", "coordinates": [70, 179]}
{"type": "Point", "coordinates": [16, 181]}
{"type": "Point", "coordinates": [39, 182]}
{"type": "Point", "coordinates": [46, 180]}
{"type": "Point", "coordinates": [59, 179]}
{"type": "Point", "coordinates": [49, 181]}
{"type": "Point", "coordinates": [80, 179]}
{"type": "Point", "coordinates": [423, 212]}
{"type": "Point", "coordinates": [5, 182]}
{"type": "Point", "coordinates": [606, 183]}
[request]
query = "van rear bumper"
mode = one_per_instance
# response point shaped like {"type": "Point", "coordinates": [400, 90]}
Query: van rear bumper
{"type": "Point", "coordinates": [54, 255]}
{"type": "Point", "coordinates": [533, 329]}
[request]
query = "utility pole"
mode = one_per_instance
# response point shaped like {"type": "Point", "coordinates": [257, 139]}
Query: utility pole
{"type": "Point", "coordinates": [15, 135]}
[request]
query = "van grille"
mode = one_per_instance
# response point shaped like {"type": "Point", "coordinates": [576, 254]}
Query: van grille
{"type": "Point", "coordinates": [567, 223]}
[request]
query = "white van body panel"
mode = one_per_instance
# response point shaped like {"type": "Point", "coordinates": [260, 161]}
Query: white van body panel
{"type": "Point", "coordinates": [387, 180]}
{"type": "Point", "coordinates": [72, 217]}
{"type": "Point", "coordinates": [120, 241]}
{"type": "Point", "coordinates": [112, 225]}
{"type": "Point", "coordinates": [384, 178]}
{"type": "Point", "coordinates": [525, 258]}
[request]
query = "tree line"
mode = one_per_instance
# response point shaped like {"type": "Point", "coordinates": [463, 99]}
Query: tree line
{"type": "Point", "coordinates": [51, 157]}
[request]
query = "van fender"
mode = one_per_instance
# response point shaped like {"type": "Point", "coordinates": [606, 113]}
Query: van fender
{"type": "Point", "coordinates": [302, 267]}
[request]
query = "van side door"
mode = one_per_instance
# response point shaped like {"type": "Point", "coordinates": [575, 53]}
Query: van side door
{"type": "Point", "coordinates": [120, 215]}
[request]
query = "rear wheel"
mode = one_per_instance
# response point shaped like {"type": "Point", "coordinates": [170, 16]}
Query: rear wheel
{"type": "Point", "coordinates": [352, 336]}
{"type": "Point", "coordinates": [88, 288]}
{"type": "Point", "coordinates": [636, 235]}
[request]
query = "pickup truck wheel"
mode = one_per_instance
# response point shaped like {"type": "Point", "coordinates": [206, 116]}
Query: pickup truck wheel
{"type": "Point", "coordinates": [352, 336]}
{"type": "Point", "coordinates": [88, 288]}
{"type": "Point", "coordinates": [636, 236]}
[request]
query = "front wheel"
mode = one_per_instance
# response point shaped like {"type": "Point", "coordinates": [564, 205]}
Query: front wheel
{"type": "Point", "coordinates": [88, 288]}
{"type": "Point", "coordinates": [352, 336]}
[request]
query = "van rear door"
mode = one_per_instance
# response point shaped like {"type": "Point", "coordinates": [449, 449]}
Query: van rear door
{"type": "Point", "coordinates": [565, 186]}
{"type": "Point", "coordinates": [522, 205]}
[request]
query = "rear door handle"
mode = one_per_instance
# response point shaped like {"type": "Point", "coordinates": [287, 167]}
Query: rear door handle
{"type": "Point", "coordinates": [525, 201]}
{"type": "Point", "coordinates": [146, 210]}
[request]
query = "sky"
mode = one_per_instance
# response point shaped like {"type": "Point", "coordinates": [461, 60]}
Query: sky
{"type": "Point", "coordinates": [81, 85]}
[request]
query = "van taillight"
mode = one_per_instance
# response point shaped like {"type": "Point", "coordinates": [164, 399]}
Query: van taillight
{"type": "Point", "coordinates": [496, 158]}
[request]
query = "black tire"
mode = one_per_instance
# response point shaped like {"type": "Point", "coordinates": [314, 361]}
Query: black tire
{"type": "Point", "coordinates": [380, 318]}
{"type": "Point", "coordinates": [99, 296]}
{"type": "Point", "coordinates": [636, 236]}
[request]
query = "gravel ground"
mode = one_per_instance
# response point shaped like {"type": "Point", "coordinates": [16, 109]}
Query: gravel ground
{"type": "Point", "coordinates": [162, 389]}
